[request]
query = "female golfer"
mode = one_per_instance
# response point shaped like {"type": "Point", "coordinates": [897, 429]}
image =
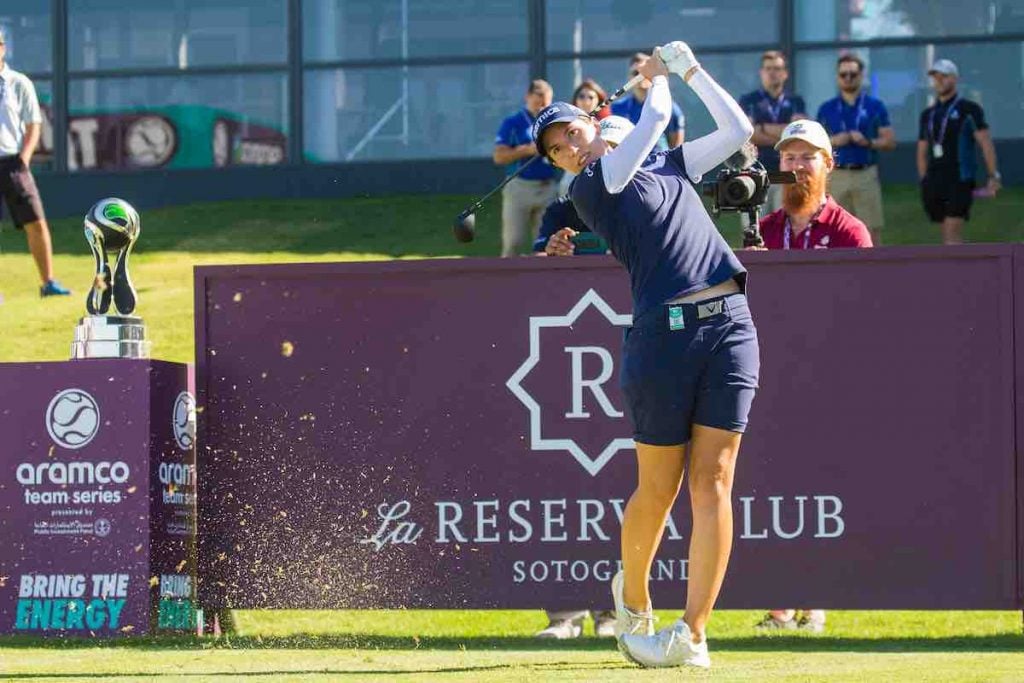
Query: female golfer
{"type": "Point", "coordinates": [690, 361]}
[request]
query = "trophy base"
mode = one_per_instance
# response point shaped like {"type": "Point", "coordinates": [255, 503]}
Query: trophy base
{"type": "Point", "coordinates": [110, 336]}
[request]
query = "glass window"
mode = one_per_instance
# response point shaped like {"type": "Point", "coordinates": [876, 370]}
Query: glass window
{"type": "Point", "coordinates": [737, 73]}
{"type": "Point", "coordinates": [43, 157]}
{"type": "Point", "coordinates": [110, 34]}
{"type": "Point", "coordinates": [396, 29]}
{"type": "Point", "coordinates": [575, 25]}
{"type": "Point", "coordinates": [178, 121]}
{"type": "Point", "coordinates": [993, 77]}
{"type": "Point", "coordinates": [827, 20]}
{"type": "Point", "coordinates": [411, 113]}
{"type": "Point", "coordinates": [28, 28]}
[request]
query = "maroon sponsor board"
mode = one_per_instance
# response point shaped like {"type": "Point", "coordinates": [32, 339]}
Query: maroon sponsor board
{"type": "Point", "coordinates": [452, 434]}
{"type": "Point", "coordinates": [91, 547]}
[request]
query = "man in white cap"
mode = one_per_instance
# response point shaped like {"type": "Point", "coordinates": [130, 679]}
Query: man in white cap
{"type": "Point", "coordinates": [946, 162]}
{"type": "Point", "coordinates": [809, 217]}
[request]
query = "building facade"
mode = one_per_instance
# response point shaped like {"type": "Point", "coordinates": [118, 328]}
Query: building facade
{"type": "Point", "coordinates": [235, 98]}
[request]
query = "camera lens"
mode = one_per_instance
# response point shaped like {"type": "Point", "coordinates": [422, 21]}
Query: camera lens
{"type": "Point", "coordinates": [739, 190]}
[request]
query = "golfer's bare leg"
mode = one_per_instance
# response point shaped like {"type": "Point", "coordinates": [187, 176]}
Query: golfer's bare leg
{"type": "Point", "coordinates": [712, 464]}
{"type": "Point", "coordinates": [38, 235]}
{"type": "Point", "coordinates": [952, 230]}
{"type": "Point", "coordinates": [660, 476]}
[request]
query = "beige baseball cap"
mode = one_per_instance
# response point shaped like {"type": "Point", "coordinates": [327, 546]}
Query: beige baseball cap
{"type": "Point", "coordinates": [811, 132]}
{"type": "Point", "coordinates": [614, 129]}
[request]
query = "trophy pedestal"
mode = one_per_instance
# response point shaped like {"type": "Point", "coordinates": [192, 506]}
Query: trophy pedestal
{"type": "Point", "coordinates": [119, 517]}
{"type": "Point", "coordinates": [110, 336]}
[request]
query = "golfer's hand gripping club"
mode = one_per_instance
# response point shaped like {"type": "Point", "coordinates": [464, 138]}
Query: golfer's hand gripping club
{"type": "Point", "coordinates": [677, 57]}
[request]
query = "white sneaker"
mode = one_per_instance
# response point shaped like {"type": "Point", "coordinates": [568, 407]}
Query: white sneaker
{"type": "Point", "coordinates": [626, 620]}
{"type": "Point", "coordinates": [562, 629]}
{"type": "Point", "coordinates": [671, 646]}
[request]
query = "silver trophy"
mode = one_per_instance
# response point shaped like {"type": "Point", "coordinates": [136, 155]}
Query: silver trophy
{"type": "Point", "coordinates": [112, 226]}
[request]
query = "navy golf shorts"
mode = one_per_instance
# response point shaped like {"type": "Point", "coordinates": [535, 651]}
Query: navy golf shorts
{"type": "Point", "coordinates": [686, 364]}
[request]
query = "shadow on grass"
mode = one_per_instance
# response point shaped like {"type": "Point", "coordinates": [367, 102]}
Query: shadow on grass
{"type": "Point", "coordinates": [539, 667]}
{"type": "Point", "coordinates": [1007, 642]}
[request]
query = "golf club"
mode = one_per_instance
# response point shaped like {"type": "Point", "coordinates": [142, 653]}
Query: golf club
{"type": "Point", "coordinates": [465, 222]}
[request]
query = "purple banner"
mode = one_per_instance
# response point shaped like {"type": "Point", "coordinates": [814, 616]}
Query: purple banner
{"type": "Point", "coordinates": [86, 537]}
{"type": "Point", "coordinates": [451, 434]}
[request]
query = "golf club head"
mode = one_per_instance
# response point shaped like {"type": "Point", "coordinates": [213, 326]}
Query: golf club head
{"type": "Point", "coordinates": [465, 226]}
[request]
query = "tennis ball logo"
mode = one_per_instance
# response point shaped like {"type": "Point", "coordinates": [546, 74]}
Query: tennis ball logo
{"type": "Point", "coordinates": [183, 420]}
{"type": "Point", "coordinates": [72, 418]}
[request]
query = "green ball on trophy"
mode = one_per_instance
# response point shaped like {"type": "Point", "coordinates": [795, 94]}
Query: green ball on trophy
{"type": "Point", "coordinates": [112, 227]}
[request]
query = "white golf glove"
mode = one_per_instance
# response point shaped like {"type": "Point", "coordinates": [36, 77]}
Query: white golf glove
{"type": "Point", "coordinates": [677, 57]}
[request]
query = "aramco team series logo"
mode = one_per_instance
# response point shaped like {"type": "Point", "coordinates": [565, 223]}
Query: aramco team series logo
{"type": "Point", "coordinates": [72, 418]}
{"type": "Point", "coordinates": [183, 420]}
{"type": "Point", "coordinates": [594, 354]}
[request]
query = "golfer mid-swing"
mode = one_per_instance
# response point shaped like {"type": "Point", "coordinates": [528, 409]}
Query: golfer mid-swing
{"type": "Point", "coordinates": [690, 361]}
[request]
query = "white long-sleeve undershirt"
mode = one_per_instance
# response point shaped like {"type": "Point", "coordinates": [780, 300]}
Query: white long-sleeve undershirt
{"type": "Point", "coordinates": [701, 155]}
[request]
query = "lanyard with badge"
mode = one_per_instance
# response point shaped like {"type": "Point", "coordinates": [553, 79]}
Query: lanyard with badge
{"type": "Point", "coordinates": [788, 229]}
{"type": "Point", "coordinates": [937, 150]}
{"type": "Point", "coordinates": [861, 112]}
{"type": "Point", "coordinates": [775, 110]}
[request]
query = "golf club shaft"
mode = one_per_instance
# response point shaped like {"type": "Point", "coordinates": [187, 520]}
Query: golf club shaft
{"type": "Point", "coordinates": [632, 83]}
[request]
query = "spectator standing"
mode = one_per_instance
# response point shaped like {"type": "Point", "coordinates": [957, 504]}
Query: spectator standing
{"type": "Point", "coordinates": [948, 132]}
{"type": "Point", "coordinates": [524, 198]}
{"type": "Point", "coordinates": [630, 108]}
{"type": "Point", "coordinates": [588, 95]}
{"type": "Point", "coordinates": [20, 125]}
{"type": "Point", "coordinates": [859, 127]}
{"type": "Point", "coordinates": [770, 108]}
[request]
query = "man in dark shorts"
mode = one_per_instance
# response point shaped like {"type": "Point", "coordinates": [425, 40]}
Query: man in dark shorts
{"type": "Point", "coordinates": [20, 126]}
{"type": "Point", "coordinates": [946, 165]}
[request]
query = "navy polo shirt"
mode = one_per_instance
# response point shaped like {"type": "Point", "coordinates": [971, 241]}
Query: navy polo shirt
{"type": "Point", "coordinates": [761, 107]}
{"type": "Point", "coordinates": [517, 130]}
{"type": "Point", "coordinates": [867, 114]}
{"type": "Point", "coordinates": [559, 214]}
{"type": "Point", "coordinates": [630, 108]}
{"type": "Point", "coordinates": [963, 118]}
{"type": "Point", "coordinates": [658, 228]}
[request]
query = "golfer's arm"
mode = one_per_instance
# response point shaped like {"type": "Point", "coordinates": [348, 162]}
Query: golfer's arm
{"type": "Point", "coordinates": [734, 128]}
{"type": "Point", "coordinates": [620, 165]}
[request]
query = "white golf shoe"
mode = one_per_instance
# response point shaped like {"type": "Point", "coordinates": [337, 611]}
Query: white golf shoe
{"type": "Point", "coordinates": [672, 646]}
{"type": "Point", "coordinates": [626, 620]}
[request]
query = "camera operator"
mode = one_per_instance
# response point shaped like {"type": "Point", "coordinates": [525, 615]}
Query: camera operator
{"type": "Point", "coordinates": [809, 218]}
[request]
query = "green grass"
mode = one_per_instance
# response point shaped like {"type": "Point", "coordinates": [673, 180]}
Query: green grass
{"type": "Point", "coordinates": [498, 646]}
{"type": "Point", "coordinates": [175, 239]}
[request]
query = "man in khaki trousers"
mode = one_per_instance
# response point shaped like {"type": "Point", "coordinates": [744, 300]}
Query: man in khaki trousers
{"type": "Point", "coordinates": [859, 127]}
{"type": "Point", "coordinates": [524, 198]}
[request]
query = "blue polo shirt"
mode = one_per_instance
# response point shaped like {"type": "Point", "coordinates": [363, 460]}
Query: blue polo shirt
{"type": "Point", "coordinates": [658, 228]}
{"type": "Point", "coordinates": [867, 114]}
{"type": "Point", "coordinates": [630, 108]}
{"type": "Point", "coordinates": [518, 130]}
{"type": "Point", "coordinates": [761, 107]}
